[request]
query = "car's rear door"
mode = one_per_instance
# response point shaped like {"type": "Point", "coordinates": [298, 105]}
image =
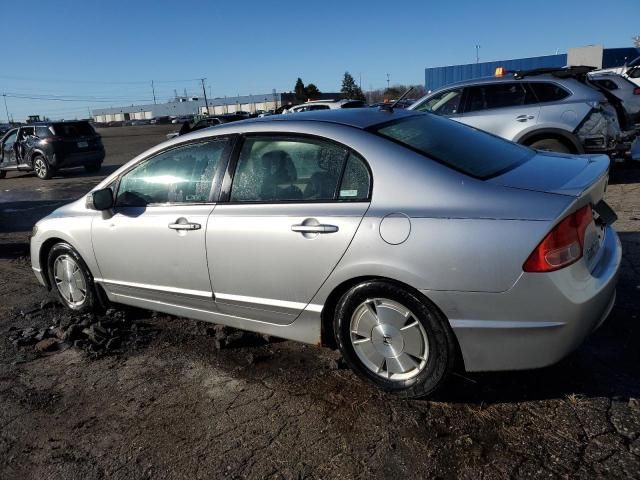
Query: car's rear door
{"type": "Point", "coordinates": [151, 246]}
{"type": "Point", "coordinates": [292, 206]}
{"type": "Point", "coordinates": [505, 109]}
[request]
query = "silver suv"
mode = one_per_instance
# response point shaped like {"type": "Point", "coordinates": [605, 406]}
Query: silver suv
{"type": "Point", "coordinates": [546, 109]}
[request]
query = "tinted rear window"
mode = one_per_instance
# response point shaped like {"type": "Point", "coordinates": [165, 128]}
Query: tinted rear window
{"type": "Point", "coordinates": [458, 146]}
{"type": "Point", "coordinates": [548, 92]}
{"type": "Point", "coordinates": [73, 129]}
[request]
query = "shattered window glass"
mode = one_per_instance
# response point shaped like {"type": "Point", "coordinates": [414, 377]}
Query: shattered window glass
{"type": "Point", "coordinates": [181, 175]}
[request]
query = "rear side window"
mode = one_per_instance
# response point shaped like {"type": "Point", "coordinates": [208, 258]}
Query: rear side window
{"type": "Point", "coordinates": [354, 104]}
{"type": "Point", "coordinates": [356, 181]}
{"type": "Point", "coordinates": [548, 92]}
{"type": "Point", "coordinates": [606, 83]}
{"type": "Point", "coordinates": [497, 95]}
{"type": "Point", "coordinates": [458, 146]}
{"type": "Point", "coordinates": [316, 107]}
{"type": "Point", "coordinates": [73, 129]}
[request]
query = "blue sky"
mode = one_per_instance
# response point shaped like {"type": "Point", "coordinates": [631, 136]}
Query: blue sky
{"type": "Point", "coordinates": [111, 50]}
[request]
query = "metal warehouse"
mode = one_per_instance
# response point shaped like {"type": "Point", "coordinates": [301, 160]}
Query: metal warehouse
{"type": "Point", "coordinates": [192, 105]}
{"type": "Point", "coordinates": [596, 56]}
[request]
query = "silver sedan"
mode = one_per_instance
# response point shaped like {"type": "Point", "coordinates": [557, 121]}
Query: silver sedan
{"type": "Point", "coordinates": [405, 239]}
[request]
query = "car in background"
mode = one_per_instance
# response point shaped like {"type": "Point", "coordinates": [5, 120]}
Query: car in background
{"type": "Point", "coordinates": [209, 121]}
{"type": "Point", "coordinates": [627, 91]}
{"type": "Point", "coordinates": [165, 119]}
{"type": "Point", "coordinates": [326, 105]}
{"type": "Point", "coordinates": [4, 128]}
{"type": "Point", "coordinates": [46, 147]}
{"type": "Point", "coordinates": [554, 109]}
{"type": "Point", "coordinates": [630, 71]}
{"type": "Point", "coordinates": [182, 119]}
{"type": "Point", "coordinates": [403, 103]}
{"type": "Point", "coordinates": [409, 241]}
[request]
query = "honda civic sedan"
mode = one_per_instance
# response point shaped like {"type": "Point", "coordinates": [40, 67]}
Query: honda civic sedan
{"type": "Point", "coordinates": [406, 240]}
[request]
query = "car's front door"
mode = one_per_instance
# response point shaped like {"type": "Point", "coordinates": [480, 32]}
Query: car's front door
{"type": "Point", "coordinates": [8, 150]}
{"type": "Point", "coordinates": [293, 208]}
{"type": "Point", "coordinates": [505, 109]}
{"type": "Point", "coordinates": [151, 247]}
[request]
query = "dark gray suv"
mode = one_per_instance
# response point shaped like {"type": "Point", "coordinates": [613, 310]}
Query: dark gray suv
{"type": "Point", "coordinates": [45, 147]}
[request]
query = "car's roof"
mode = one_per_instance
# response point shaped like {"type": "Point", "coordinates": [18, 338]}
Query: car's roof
{"type": "Point", "coordinates": [353, 117]}
{"type": "Point", "coordinates": [505, 78]}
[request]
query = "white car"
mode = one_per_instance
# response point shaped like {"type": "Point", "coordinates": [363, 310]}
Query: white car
{"type": "Point", "coordinates": [630, 71]}
{"type": "Point", "coordinates": [326, 105]}
{"type": "Point", "coordinates": [622, 88]}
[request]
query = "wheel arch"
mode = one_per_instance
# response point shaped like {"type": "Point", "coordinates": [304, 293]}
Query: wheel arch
{"type": "Point", "coordinates": [327, 334]}
{"type": "Point", "coordinates": [567, 138]}
{"type": "Point", "coordinates": [35, 153]}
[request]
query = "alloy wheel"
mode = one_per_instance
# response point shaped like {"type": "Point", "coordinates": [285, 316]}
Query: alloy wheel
{"type": "Point", "coordinates": [40, 167]}
{"type": "Point", "coordinates": [389, 339]}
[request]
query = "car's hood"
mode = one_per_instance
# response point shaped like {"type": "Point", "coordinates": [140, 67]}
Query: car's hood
{"type": "Point", "coordinates": [557, 173]}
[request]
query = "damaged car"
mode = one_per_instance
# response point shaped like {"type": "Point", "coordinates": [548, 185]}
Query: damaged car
{"type": "Point", "coordinates": [555, 109]}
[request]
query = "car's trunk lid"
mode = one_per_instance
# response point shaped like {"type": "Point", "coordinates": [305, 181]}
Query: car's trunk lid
{"type": "Point", "coordinates": [562, 174]}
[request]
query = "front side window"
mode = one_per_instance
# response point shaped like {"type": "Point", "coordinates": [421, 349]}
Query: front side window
{"type": "Point", "coordinates": [283, 169]}
{"type": "Point", "coordinates": [181, 175]}
{"type": "Point", "coordinates": [498, 95]}
{"type": "Point", "coordinates": [445, 103]}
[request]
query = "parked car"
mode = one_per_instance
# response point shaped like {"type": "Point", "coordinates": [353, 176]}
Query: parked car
{"type": "Point", "coordinates": [630, 71]}
{"type": "Point", "coordinates": [210, 121]}
{"type": "Point", "coordinates": [326, 105]}
{"type": "Point", "coordinates": [182, 119]}
{"type": "Point", "coordinates": [627, 91]}
{"type": "Point", "coordinates": [161, 120]}
{"type": "Point", "coordinates": [46, 147]}
{"type": "Point", "coordinates": [403, 238]}
{"type": "Point", "coordinates": [547, 109]}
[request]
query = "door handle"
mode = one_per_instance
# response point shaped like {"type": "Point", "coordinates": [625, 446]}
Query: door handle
{"type": "Point", "coordinates": [524, 118]}
{"type": "Point", "coordinates": [314, 228]}
{"type": "Point", "coordinates": [183, 224]}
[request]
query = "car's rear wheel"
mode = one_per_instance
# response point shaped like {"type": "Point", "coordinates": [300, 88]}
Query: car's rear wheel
{"type": "Point", "coordinates": [71, 279]}
{"type": "Point", "coordinates": [93, 167]}
{"type": "Point", "coordinates": [550, 145]}
{"type": "Point", "coordinates": [42, 168]}
{"type": "Point", "coordinates": [395, 338]}
{"type": "Point", "coordinates": [3, 173]}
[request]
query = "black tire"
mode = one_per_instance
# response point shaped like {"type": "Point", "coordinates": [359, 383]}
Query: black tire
{"type": "Point", "coordinates": [3, 173]}
{"type": "Point", "coordinates": [431, 372]}
{"type": "Point", "coordinates": [550, 145]}
{"type": "Point", "coordinates": [66, 252]}
{"type": "Point", "coordinates": [41, 166]}
{"type": "Point", "coordinates": [93, 167]}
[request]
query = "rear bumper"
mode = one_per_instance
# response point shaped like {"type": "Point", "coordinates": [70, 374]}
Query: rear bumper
{"type": "Point", "coordinates": [75, 159]}
{"type": "Point", "coordinates": [537, 322]}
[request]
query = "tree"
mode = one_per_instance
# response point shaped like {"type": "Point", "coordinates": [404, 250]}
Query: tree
{"type": "Point", "coordinates": [312, 92]}
{"type": "Point", "coordinates": [350, 89]}
{"type": "Point", "coordinates": [300, 93]}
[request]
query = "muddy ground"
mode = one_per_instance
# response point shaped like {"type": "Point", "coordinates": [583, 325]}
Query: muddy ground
{"type": "Point", "coordinates": [175, 398]}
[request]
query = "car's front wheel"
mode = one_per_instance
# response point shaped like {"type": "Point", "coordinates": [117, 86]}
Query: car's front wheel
{"type": "Point", "coordinates": [70, 278]}
{"type": "Point", "coordinates": [395, 338]}
{"type": "Point", "coordinates": [42, 168]}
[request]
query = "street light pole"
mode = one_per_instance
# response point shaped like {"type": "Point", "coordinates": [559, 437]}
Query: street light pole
{"type": "Point", "coordinates": [153, 89]}
{"type": "Point", "coordinates": [204, 91]}
{"type": "Point", "coordinates": [477, 53]}
{"type": "Point", "coordinates": [5, 107]}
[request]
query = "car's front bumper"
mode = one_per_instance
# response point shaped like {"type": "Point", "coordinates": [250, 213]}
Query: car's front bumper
{"type": "Point", "coordinates": [538, 321]}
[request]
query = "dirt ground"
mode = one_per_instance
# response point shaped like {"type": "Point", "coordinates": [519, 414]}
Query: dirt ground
{"type": "Point", "coordinates": [177, 398]}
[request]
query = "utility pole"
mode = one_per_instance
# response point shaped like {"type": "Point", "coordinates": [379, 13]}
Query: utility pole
{"type": "Point", "coordinates": [153, 89]}
{"type": "Point", "coordinates": [204, 91]}
{"type": "Point", "coordinates": [388, 77]}
{"type": "Point", "coordinates": [5, 107]}
{"type": "Point", "coordinates": [477, 53]}
{"type": "Point", "coordinates": [89, 110]}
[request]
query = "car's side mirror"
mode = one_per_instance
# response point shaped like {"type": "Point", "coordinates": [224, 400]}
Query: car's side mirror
{"type": "Point", "coordinates": [100, 199]}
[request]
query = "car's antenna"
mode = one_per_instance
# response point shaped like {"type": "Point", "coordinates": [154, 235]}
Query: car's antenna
{"type": "Point", "coordinates": [389, 108]}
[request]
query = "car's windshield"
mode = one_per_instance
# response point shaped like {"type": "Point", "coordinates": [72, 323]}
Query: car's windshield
{"type": "Point", "coordinates": [463, 148]}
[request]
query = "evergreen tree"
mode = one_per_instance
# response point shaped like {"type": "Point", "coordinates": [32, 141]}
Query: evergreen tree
{"type": "Point", "coordinates": [300, 93]}
{"type": "Point", "coordinates": [350, 89]}
{"type": "Point", "coordinates": [312, 92]}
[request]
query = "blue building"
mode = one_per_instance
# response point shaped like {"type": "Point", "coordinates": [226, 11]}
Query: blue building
{"type": "Point", "coordinates": [596, 56]}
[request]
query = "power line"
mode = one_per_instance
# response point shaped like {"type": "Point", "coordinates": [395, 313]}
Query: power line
{"type": "Point", "coordinates": [104, 82]}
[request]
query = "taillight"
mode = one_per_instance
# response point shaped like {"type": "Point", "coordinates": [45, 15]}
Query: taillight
{"type": "Point", "coordinates": [563, 245]}
{"type": "Point", "coordinates": [636, 91]}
